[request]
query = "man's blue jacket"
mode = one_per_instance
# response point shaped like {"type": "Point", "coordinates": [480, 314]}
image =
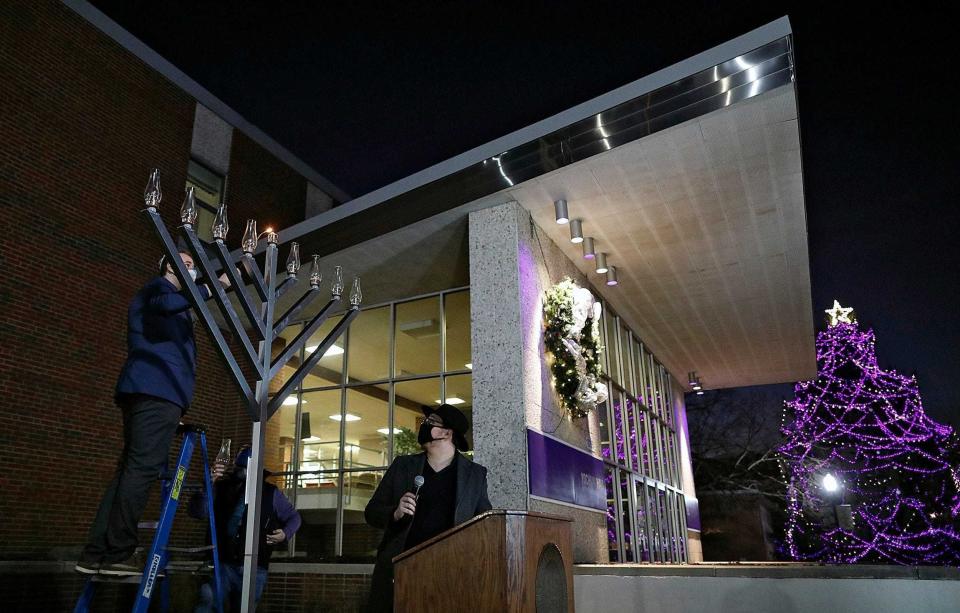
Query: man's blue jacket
{"type": "Point", "coordinates": [161, 352]}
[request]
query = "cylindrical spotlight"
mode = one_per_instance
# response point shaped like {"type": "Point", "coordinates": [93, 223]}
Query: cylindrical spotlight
{"type": "Point", "coordinates": [588, 252]}
{"type": "Point", "coordinates": [612, 276]}
{"type": "Point", "coordinates": [560, 209]}
{"type": "Point", "coordinates": [601, 263]}
{"type": "Point", "coordinates": [576, 231]}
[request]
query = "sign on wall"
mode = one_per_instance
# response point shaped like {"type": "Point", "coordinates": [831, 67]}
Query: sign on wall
{"type": "Point", "coordinates": [565, 474]}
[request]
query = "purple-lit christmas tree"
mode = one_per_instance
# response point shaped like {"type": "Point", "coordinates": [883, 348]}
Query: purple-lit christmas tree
{"type": "Point", "coordinates": [871, 478]}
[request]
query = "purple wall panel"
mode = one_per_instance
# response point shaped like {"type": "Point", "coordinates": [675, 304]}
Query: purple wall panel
{"type": "Point", "coordinates": [563, 473]}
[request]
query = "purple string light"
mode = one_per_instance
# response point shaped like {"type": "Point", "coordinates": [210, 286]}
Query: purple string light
{"type": "Point", "coordinates": [896, 468]}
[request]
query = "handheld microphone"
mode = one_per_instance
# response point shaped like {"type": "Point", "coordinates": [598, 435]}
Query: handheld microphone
{"type": "Point", "coordinates": [417, 483]}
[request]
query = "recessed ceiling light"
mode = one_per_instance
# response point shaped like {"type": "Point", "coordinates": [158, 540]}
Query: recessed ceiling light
{"type": "Point", "coordinates": [469, 365]}
{"type": "Point", "coordinates": [348, 417]}
{"type": "Point", "coordinates": [387, 430]}
{"type": "Point", "coordinates": [332, 351]}
{"type": "Point", "coordinates": [291, 401]}
{"type": "Point", "coordinates": [451, 400]}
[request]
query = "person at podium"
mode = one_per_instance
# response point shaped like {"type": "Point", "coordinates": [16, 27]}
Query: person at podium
{"type": "Point", "coordinates": [453, 489]}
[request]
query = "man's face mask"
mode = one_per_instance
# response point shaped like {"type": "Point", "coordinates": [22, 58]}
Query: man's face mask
{"type": "Point", "coordinates": [426, 432]}
{"type": "Point", "coordinates": [191, 271]}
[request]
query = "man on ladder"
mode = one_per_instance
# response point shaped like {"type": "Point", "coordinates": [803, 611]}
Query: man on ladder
{"type": "Point", "coordinates": [154, 390]}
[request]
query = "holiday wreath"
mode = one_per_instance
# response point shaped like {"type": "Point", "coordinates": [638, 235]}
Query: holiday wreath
{"type": "Point", "coordinates": [572, 337]}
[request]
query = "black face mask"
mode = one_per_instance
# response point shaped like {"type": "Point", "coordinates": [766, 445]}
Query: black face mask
{"type": "Point", "coordinates": [426, 433]}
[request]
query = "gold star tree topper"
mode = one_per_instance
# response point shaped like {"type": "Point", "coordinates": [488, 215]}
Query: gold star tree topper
{"type": "Point", "coordinates": [840, 315]}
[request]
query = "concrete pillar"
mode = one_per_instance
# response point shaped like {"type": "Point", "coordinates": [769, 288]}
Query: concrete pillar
{"type": "Point", "coordinates": [499, 427]}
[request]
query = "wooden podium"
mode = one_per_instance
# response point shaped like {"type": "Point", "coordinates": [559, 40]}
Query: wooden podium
{"type": "Point", "coordinates": [502, 561]}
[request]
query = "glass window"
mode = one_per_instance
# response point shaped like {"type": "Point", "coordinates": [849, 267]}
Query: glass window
{"type": "Point", "coordinates": [603, 415]}
{"type": "Point", "coordinates": [279, 439]}
{"type": "Point", "coordinates": [643, 537]}
{"type": "Point", "coordinates": [625, 358]}
{"type": "Point", "coordinates": [653, 520]}
{"type": "Point", "coordinates": [317, 505]}
{"type": "Point", "coordinates": [626, 480]}
{"type": "Point", "coordinates": [459, 390]}
{"type": "Point", "coordinates": [369, 344]}
{"type": "Point", "coordinates": [618, 430]}
{"type": "Point", "coordinates": [638, 371]}
{"type": "Point", "coordinates": [654, 440]}
{"type": "Point", "coordinates": [643, 444]}
{"type": "Point", "coordinates": [207, 187]}
{"type": "Point", "coordinates": [336, 443]}
{"type": "Point", "coordinates": [651, 385]}
{"type": "Point", "coordinates": [631, 417]}
{"type": "Point", "coordinates": [329, 370]}
{"type": "Point", "coordinates": [320, 432]}
{"type": "Point", "coordinates": [409, 397]}
{"type": "Point", "coordinates": [456, 309]}
{"type": "Point", "coordinates": [613, 352]}
{"type": "Point", "coordinates": [360, 540]}
{"type": "Point", "coordinates": [613, 512]}
{"type": "Point", "coordinates": [418, 337]}
{"type": "Point", "coordinates": [366, 435]}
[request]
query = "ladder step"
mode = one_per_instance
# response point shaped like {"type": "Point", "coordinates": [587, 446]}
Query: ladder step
{"type": "Point", "coordinates": [190, 549]}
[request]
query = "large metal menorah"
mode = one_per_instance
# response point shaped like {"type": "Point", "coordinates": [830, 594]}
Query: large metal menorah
{"type": "Point", "coordinates": [262, 329]}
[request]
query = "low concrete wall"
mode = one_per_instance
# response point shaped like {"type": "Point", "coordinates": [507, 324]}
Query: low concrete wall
{"type": "Point", "coordinates": [755, 589]}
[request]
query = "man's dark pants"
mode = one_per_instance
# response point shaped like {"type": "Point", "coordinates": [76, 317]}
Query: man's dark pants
{"type": "Point", "coordinates": [149, 425]}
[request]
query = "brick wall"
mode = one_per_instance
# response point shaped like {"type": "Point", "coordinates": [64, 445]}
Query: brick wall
{"type": "Point", "coordinates": [83, 121]}
{"type": "Point", "coordinates": [46, 591]}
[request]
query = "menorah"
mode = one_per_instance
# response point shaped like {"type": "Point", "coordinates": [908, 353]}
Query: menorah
{"type": "Point", "coordinates": [262, 329]}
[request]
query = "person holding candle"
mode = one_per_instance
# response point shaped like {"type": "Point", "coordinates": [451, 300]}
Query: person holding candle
{"type": "Point", "coordinates": [154, 390]}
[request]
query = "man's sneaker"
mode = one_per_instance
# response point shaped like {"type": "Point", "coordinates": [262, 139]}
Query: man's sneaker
{"type": "Point", "coordinates": [131, 566]}
{"type": "Point", "coordinates": [87, 567]}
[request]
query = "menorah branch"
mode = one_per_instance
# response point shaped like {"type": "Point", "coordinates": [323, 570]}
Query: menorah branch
{"type": "Point", "coordinates": [302, 337]}
{"type": "Point", "coordinates": [311, 361]}
{"type": "Point", "coordinates": [236, 282]}
{"type": "Point", "coordinates": [303, 301]}
{"type": "Point", "coordinates": [233, 321]}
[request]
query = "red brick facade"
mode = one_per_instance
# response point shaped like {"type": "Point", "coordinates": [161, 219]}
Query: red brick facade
{"type": "Point", "coordinates": [83, 122]}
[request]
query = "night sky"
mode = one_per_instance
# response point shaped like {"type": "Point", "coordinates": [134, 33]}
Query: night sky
{"type": "Point", "coordinates": [368, 98]}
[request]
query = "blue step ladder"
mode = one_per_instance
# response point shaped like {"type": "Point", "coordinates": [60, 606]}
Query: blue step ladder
{"type": "Point", "coordinates": [154, 571]}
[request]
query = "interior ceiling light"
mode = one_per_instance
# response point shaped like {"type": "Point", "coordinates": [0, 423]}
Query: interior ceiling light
{"type": "Point", "coordinates": [332, 351]}
{"type": "Point", "coordinates": [612, 276]}
{"type": "Point", "coordinates": [291, 401]}
{"type": "Point", "coordinates": [588, 252]}
{"type": "Point", "coordinates": [348, 417]}
{"type": "Point", "coordinates": [452, 400]}
{"type": "Point", "coordinates": [469, 365]}
{"type": "Point", "coordinates": [387, 430]}
{"type": "Point", "coordinates": [601, 260]}
{"type": "Point", "coordinates": [560, 210]}
{"type": "Point", "coordinates": [576, 231]}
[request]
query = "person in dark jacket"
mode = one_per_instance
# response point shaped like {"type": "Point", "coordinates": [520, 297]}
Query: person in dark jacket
{"type": "Point", "coordinates": [279, 521]}
{"type": "Point", "coordinates": [154, 390]}
{"type": "Point", "coordinates": [454, 490]}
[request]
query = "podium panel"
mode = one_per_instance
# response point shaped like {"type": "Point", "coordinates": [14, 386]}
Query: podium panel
{"type": "Point", "coordinates": [499, 561]}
